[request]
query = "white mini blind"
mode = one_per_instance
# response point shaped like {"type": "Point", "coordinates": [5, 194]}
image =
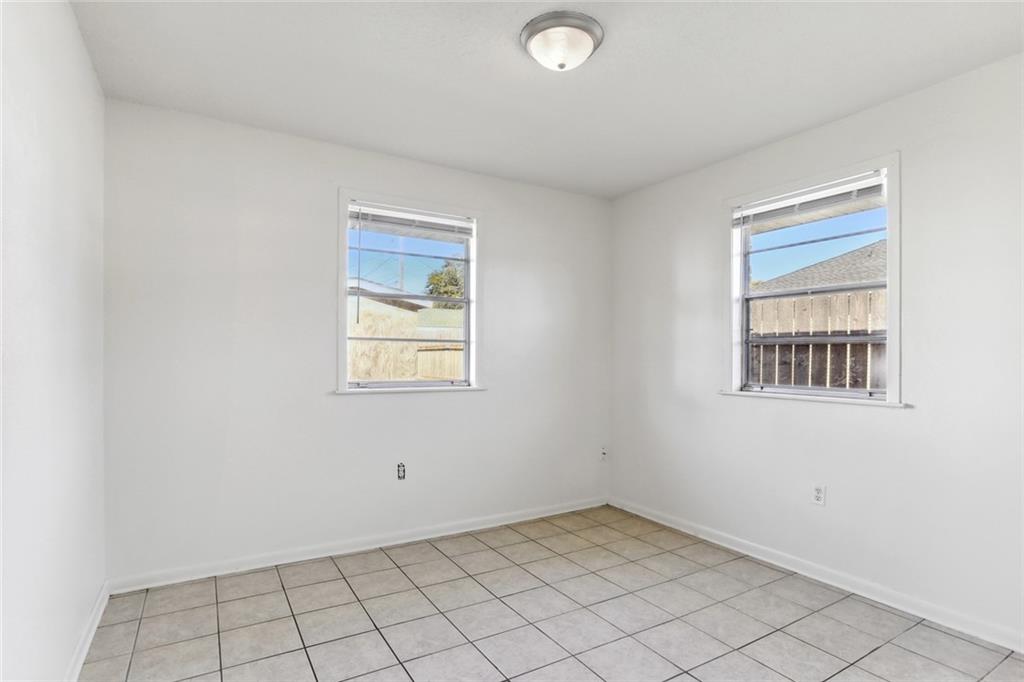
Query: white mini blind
{"type": "Point", "coordinates": [394, 220]}
{"type": "Point", "coordinates": [850, 195]}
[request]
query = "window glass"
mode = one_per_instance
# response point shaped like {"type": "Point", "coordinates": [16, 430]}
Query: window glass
{"type": "Point", "coordinates": [409, 362]}
{"type": "Point", "coordinates": [408, 300]}
{"type": "Point", "coordinates": [815, 293]}
{"type": "Point", "coordinates": [379, 272]}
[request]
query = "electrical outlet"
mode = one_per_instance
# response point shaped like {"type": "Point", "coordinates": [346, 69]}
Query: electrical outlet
{"type": "Point", "coordinates": [604, 454]}
{"type": "Point", "coordinates": [401, 471]}
{"type": "Point", "coordinates": [818, 494]}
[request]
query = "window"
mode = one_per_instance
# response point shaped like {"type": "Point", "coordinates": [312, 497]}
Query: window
{"type": "Point", "coordinates": [814, 305]}
{"type": "Point", "coordinates": [409, 298]}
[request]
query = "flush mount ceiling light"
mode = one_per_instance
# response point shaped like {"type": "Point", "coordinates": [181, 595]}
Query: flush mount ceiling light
{"type": "Point", "coordinates": [561, 41]}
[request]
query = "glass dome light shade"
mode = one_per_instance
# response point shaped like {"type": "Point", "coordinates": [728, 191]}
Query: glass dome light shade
{"type": "Point", "coordinates": [561, 48]}
{"type": "Point", "coordinates": [562, 40]}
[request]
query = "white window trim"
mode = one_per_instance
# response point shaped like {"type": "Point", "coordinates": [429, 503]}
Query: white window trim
{"type": "Point", "coordinates": [348, 195]}
{"type": "Point", "coordinates": [893, 397]}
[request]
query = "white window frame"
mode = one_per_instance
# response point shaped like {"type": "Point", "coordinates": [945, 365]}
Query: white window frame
{"type": "Point", "coordinates": [890, 164]}
{"type": "Point", "coordinates": [347, 197]}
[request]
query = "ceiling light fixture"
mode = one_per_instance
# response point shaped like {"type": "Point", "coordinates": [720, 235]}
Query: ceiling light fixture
{"type": "Point", "coordinates": [561, 41]}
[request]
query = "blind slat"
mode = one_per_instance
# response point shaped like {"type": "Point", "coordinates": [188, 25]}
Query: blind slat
{"type": "Point", "coordinates": [394, 220]}
{"type": "Point", "coordinates": [830, 201]}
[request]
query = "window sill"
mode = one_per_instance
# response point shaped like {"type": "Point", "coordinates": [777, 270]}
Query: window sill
{"type": "Point", "coordinates": [409, 389]}
{"type": "Point", "coordinates": [814, 398]}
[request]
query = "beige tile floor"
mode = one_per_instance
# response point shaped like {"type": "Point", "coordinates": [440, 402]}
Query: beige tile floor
{"type": "Point", "coordinates": [594, 595]}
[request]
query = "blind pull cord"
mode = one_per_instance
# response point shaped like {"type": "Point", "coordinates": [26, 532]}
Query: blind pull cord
{"type": "Point", "coordinates": [359, 263]}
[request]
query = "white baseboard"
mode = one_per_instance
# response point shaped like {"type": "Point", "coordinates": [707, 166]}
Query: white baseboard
{"type": "Point", "coordinates": [165, 577]}
{"type": "Point", "coordinates": [992, 632]}
{"type": "Point", "coordinates": [85, 641]}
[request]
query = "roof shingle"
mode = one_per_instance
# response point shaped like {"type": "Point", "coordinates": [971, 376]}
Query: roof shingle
{"type": "Point", "coordinates": [866, 264]}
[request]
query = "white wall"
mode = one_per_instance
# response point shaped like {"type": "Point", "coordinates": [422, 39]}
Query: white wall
{"type": "Point", "coordinates": [924, 506]}
{"type": "Point", "coordinates": [53, 517]}
{"type": "Point", "coordinates": [226, 445]}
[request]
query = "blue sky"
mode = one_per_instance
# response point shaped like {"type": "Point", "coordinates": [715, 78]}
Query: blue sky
{"type": "Point", "coordinates": [774, 263]}
{"type": "Point", "coordinates": [387, 268]}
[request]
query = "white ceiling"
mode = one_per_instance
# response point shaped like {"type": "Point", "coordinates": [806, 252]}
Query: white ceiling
{"type": "Point", "coordinates": [674, 86]}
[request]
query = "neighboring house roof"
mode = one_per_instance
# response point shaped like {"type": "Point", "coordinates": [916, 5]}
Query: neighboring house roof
{"type": "Point", "coordinates": [866, 264]}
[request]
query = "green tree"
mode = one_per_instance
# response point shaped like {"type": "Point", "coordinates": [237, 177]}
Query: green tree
{"type": "Point", "coordinates": [448, 281]}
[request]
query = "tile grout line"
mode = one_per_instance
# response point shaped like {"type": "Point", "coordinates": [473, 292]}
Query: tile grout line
{"type": "Point", "coordinates": [782, 629]}
{"type": "Point", "coordinates": [625, 635]}
{"type": "Point", "coordinates": [814, 646]}
{"type": "Point", "coordinates": [808, 615]}
{"type": "Point", "coordinates": [295, 622]}
{"type": "Point", "coordinates": [632, 635]}
{"type": "Point", "coordinates": [135, 641]}
{"type": "Point", "coordinates": [412, 620]}
{"type": "Point", "coordinates": [495, 597]}
{"type": "Point", "coordinates": [360, 600]}
{"type": "Point", "coordinates": [945, 665]}
{"type": "Point", "coordinates": [533, 623]}
{"type": "Point", "coordinates": [332, 579]}
{"type": "Point", "coordinates": [723, 601]}
{"type": "Point", "coordinates": [720, 601]}
{"type": "Point", "coordinates": [915, 621]}
{"type": "Point", "coordinates": [216, 609]}
{"type": "Point", "coordinates": [845, 595]}
{"type": "Point", "coordinates": [925, 622]}
{"type": "Point", "coordinates": [376, 628]}
{"type": "Point", "coordinates": [774, 630]}
{"type": "Point", "coordinates": [445, 616]}
{"type": "Point", "coordinates": [527, 621]}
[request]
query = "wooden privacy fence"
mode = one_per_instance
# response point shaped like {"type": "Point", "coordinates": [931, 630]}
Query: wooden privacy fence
{"type": "Point", "coordinates": [440, 362]}
{"type": "Point", "coordinates": [397, 359]}
{"type": "Point", "coordinates": [833, 340]}
{"type": "Point", "coordinates": [844, 311]}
